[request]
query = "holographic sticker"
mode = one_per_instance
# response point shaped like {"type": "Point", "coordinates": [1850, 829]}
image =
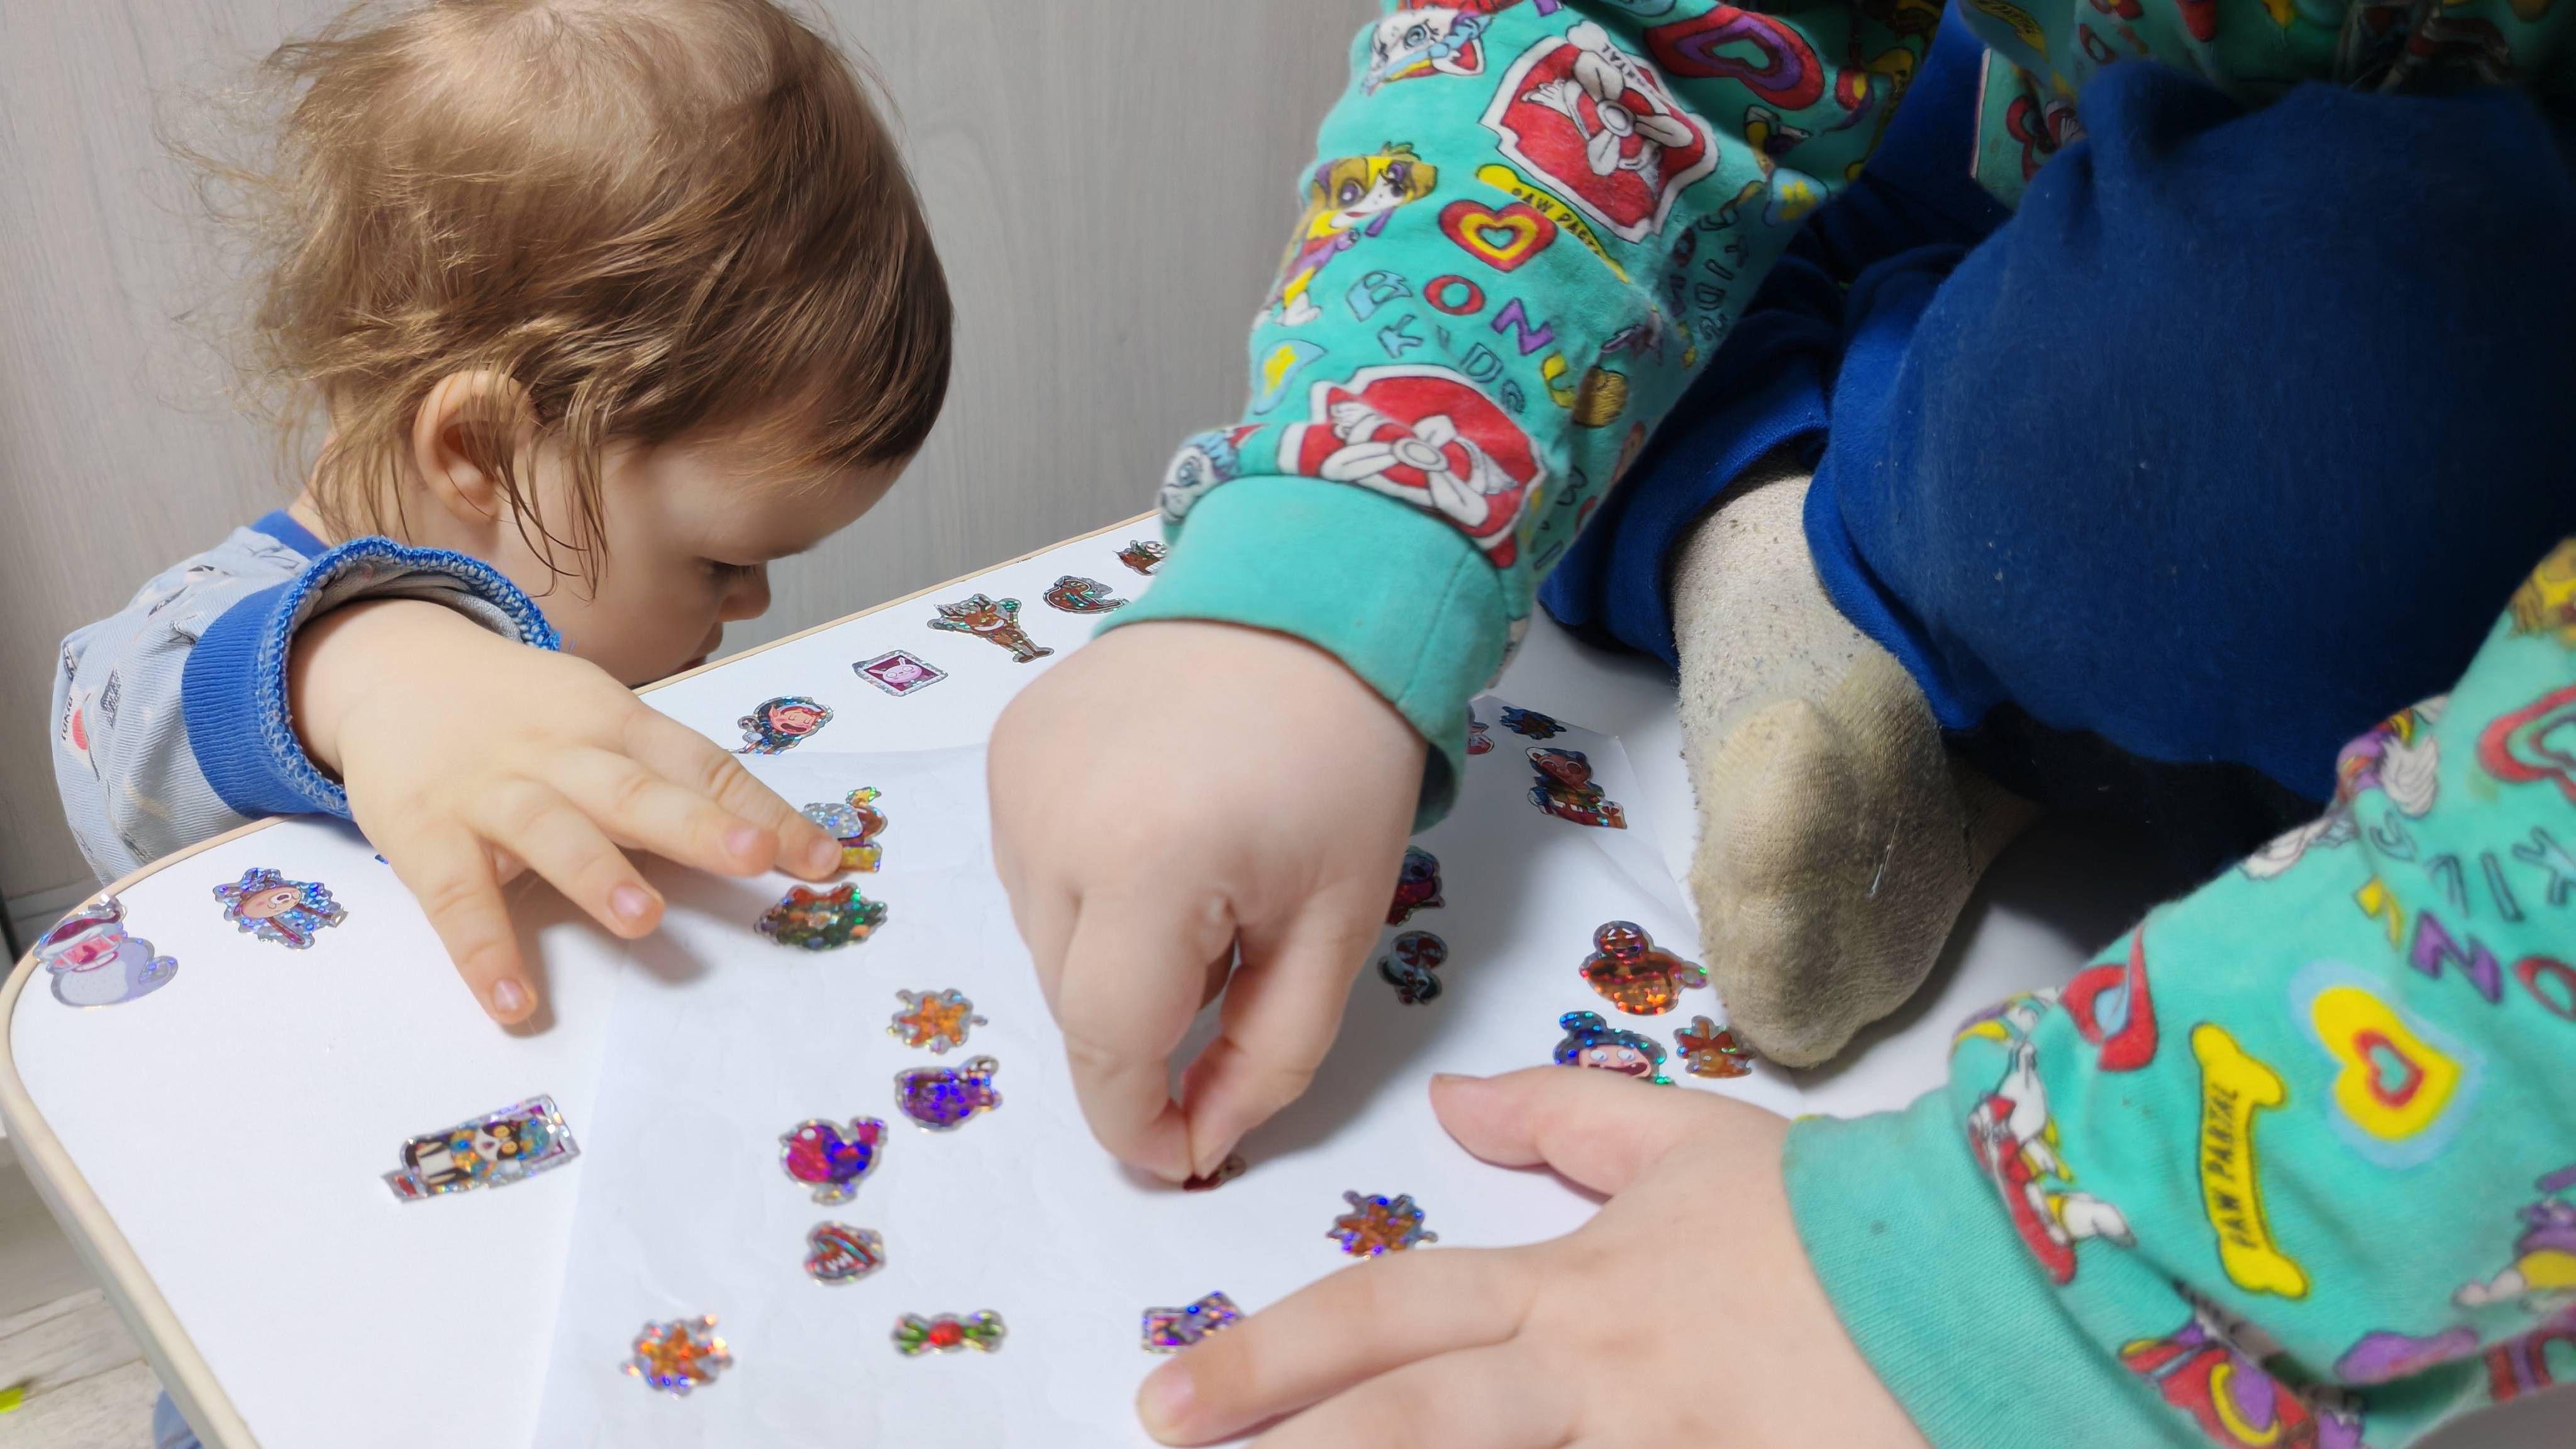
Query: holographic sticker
{"type": "Point", "coordinates": [1226, 1171]}
{"type": "Point", "coordinates": [1593, 1042]}
{"type": "Point", "coordinates": [1478, 742]}
{"type": "Point", "coordinates": [1710, 1050]}
{"type": "Point", "coordinates": [820, 1155]}
{"type": "Point", "coordinates": [779, 725]}
{"type": "Point", "coordinates": [1635, 975]}
{"type": "Point", "coordinates": [996, 621]}
{"type": "Point", "coordinates": [898, 673]}
{"type": "Point", "coordinates": [837, 1253]}
{"type": "Point", "coordinates": [1143, 555]}
{"type": "Point", "coordinates": [1565, 790]}
{"type": "Point", "coordinates": [1408, 964]}
{"type": "Point", "coordinates": [680, 1355]}
{"type": "Point", "coordinates": [934, 1020]}
{"type": "Point", "coordinates": [1379, 1225]}
{"type": "Point", "coordinates": [1169, 1330]}
{"type": "Point", "coordinates": [1531, 723]}
{"type": "Point", "coordinates": [915, 1335]}
{"type": "Point", "coordinates": [94, 963]}
{"type": "Point", "coordinates": [1077, 595]}
{"type": "Point", "coordinates": [820, 920]}
{"type": "Point", "coordinates": [273, 908]}
{"type": "Point", "coordinates": [942, 1098]}
{"type": "Point", "coordinates": [496, 1150]}
{"type": "Point", "coordinates": [1417, 885]}
{"type": "Point", "coordinates": [855, 822]}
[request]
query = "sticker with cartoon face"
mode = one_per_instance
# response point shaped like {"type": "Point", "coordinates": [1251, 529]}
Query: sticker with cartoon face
{"type": "Point", "coordinates": [781, 724]}
{"type": "Point", "coordinates": [1595, 1043]}
{"type": "Point", "coordinates": [1408, 966]}
{"type": "Point", "coordinates": [1425, 436]}
{"type": "Point", "coordinates": [93, 962]}
{"type": "Point", "coordinates": [1348, 199]}
{"type": "Point", "coordinates": [1143, 555]}
{"type": "Point", "coordinates": [266, 904]}
{"type": "Point", "coordinates": [1417, 886]}
{"type": "Point", "coordinates": [995, 621]}
{"type": "Point", "coordinates": [1530, 724]}
{"type": "Point", "coordinates": [495, 1150]}
{"type": "Point", "coordinates": [1075, 594]}
{"type": "Point", "coordinates": [1478, 741]}
{"type": "Point", "coordinates": [1597, 125]}
{"type": "Point", "coordinates": [1565, 790]}
{"type": "Point", "coordinates": [898, 673]}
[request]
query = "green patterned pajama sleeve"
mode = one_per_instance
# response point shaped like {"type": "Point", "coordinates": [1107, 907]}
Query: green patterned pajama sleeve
{"type": "Point", "coordinates": [2294, 1162]}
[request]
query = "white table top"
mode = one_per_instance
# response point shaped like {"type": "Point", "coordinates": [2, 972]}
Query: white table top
{"type": "Point", "coordinates": [214, 1148]}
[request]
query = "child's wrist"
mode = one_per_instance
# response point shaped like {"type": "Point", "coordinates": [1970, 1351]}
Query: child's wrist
{"type": "Point", "coordinates": [339, 658]}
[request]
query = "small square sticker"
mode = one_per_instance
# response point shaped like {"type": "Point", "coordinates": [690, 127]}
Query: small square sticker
{"type": "Point", "coordinates": [899, 673]}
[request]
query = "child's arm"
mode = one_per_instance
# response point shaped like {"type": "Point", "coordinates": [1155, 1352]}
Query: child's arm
{"type": "Point", "coordinates": [249, 681]}
{"type": "Point", "coordinates": [2295, 1152]}
{"type": "Point", "coordinates": [2293, 1164]}
{"type": "Point", "coordinates": [1530, 226]}
{"type": "Point", "coordinates": [170, 719]}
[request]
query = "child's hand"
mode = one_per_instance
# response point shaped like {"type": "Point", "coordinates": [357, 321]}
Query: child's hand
{"type": "Point", "coordinates": [469, 757]}
{"type": "Point", "coordinates": [1684, 1313]}
{"type": "Point", "coordinates": [1171, 793]}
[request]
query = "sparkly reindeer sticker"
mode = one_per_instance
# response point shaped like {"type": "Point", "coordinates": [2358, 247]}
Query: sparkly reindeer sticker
{"type": "Point", "coordinates": [996, 621]}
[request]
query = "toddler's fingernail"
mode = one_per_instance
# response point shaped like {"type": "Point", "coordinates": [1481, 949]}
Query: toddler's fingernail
{"type": "Point", "coordinates": [742, 839]}
{"type": "Point", "coordinates": [508, 996]}
{"type": "Point", "coordinates": [1451, 1079]}
{"type": "Point", "coordinates": [1164, 1398]}
{"type": "Point", "coordinates": [630, 904]}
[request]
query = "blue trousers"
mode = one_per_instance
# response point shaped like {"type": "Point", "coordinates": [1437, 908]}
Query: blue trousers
{"type": "Point", "coordinates": [2231, 441]}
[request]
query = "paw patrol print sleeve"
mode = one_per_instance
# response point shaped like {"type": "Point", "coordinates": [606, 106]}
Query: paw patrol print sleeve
{"type": "Point", "coordinates": [170, 718]}
{"type": "Point", "coordinates": [2294, 1162]}
{"type": "Point", "coordinates": [1530, 223]}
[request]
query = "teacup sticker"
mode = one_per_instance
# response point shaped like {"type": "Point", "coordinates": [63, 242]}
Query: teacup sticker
{"type": "Point", "coordinates": [93, 962]}
{"type": "Point", "coordinates": [290, 912]}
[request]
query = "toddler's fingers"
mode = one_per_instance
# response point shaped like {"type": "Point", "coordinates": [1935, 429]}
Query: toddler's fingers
{"type": "Point", "coordinates": [1505, 1397]}
{"type": "Point", "coordinates": [558, 841]}
{"type": "Point", "coordinates": [1598, 1128]}
{"type": "Point", "coordinates": [1282, 1010]}
{"type": "Point", "coordinates": [1366, 1320]}
{"type": "Point", "coordinates": [1130, 985]}
{"type": "Point", "coordinates": [681, 755]}
{"type": "Point", "coordinates": [637, 805]}
{"type": "Point", "coordinates": [450, 873]}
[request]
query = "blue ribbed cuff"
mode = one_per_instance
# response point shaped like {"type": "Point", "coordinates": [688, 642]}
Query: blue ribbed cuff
{"type": "Point", "coordinates": [232, 693]}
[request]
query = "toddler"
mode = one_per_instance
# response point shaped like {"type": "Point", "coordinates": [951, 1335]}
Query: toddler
{"type": "Point", "coordinates": [607, 307]}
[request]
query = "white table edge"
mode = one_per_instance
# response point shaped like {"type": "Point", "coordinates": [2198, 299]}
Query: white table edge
{"type": "Point", "coordinates": [129, 1289]}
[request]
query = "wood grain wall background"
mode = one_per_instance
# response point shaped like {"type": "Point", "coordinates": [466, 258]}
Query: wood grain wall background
{"type": "Point", "coordinates": [1110, 183]}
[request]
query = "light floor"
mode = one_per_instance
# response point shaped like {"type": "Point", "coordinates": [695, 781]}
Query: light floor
{"type": "Point", "coordinates": [85, 1384]}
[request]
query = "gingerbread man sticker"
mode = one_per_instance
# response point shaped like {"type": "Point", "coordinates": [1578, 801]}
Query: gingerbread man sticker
{"type": "Point", "coordinates": [1634, 974]}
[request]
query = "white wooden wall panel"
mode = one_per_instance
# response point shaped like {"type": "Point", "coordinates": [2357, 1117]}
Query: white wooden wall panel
{"type": "Point", "coordinates": [1110, 183]}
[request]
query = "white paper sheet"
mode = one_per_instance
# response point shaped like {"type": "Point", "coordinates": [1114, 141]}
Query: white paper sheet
{"type": "Point", "coordinates": [722, 1041]}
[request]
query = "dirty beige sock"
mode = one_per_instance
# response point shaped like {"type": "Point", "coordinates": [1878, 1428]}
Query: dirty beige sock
{"type": "Point", "coordinates": [1839, 837]}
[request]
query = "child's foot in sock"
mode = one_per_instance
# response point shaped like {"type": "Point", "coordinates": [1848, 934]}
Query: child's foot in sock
{"type": "Point", "coordinates": [1839, 836]}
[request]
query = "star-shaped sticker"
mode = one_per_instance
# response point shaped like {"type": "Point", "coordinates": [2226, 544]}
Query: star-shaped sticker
{"type": "Point", "coordinates": [936, 1020]}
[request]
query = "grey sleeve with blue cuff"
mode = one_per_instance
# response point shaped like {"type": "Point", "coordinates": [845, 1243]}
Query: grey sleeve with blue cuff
{"type": "Point", "coordinates": [170, 717]}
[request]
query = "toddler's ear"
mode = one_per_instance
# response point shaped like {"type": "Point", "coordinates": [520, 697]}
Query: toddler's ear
{"type": "Point", "coordinates": [468, 443]}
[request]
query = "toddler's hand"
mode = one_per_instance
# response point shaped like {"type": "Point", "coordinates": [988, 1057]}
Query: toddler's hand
{"type": "Point", "coordinates": [1172, 793]}
{"type": "Point", "coordinates": [1684, 1313]}
{"type": "Point", "coordinates": [468, 757]}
